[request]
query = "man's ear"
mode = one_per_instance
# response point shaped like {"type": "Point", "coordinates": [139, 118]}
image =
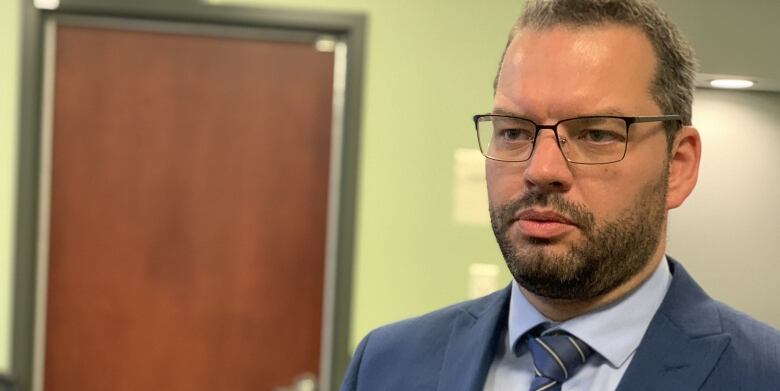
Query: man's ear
{"type": "Point", "coordinates": [683, 166]}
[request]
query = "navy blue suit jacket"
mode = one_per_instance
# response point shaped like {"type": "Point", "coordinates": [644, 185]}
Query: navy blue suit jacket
{"type": "Point", "coordinates": [692, 343]}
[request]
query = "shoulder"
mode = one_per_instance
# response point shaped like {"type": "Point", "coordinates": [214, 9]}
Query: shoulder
{"type": "Point", "coordinates": [432, 328]}
{"type": "Point", "coordinates": [702, 315]}
{"type": "Point", "coordinates": [751, 356]}
{"type": "Point", "coordinates": [750, 337]}
{"type": "Point", "coordinates": [408, 354]}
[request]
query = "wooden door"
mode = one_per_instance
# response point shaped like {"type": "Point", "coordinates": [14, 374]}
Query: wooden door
{"type": "Point", "coordinates": [188, 211]}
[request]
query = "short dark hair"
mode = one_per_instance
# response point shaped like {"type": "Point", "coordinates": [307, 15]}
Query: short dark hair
{"type": "Point", "coordinates": [673, 84]}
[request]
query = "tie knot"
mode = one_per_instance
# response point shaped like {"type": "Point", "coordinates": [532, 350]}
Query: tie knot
{"type": "Point", "coordinates": [558, 355]}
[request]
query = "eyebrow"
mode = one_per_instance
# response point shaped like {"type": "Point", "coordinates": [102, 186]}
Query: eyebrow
{"type": "Point", "coordinates": [608, 111]}
{"type": "Point", "coordinates": [501, 111]}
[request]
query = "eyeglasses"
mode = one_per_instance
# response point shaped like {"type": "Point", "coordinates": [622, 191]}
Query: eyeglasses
{"type": "Point", "coordinates": [582, 140]}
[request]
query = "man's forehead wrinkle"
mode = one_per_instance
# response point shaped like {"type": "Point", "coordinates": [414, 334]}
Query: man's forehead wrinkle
{"type": "Point", "coordinates": [555, 106]}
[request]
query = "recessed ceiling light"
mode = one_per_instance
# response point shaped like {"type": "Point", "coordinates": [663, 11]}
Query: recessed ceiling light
{"type": "Point", "coordinates": [46, 4]}
{"type": "Point", "coordinates": [731, 83]}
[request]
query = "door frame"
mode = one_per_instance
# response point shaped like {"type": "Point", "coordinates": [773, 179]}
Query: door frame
{"type": "Point", "coordinates": [349, 28]}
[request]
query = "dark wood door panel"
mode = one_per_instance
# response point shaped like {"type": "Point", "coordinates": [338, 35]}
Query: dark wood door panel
{"type": "Point", "coordinates": [188, 216]}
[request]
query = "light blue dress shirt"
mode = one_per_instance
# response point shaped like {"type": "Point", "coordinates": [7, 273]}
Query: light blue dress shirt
{"type": "Point", "coordinates": [613, 332]}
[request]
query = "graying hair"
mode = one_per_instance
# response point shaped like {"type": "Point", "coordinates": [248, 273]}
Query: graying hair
{"type": "Point", "coordinates": [673, 84]}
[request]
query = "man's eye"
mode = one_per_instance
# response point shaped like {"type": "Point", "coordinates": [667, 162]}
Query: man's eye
{"type": "Point", "coordinates": [516, 135]}
{"type": "Point", "coordinates": [597, 136]}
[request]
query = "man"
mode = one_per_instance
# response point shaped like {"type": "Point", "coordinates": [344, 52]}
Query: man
{"type": "Point", "coordinates": [588, 146]}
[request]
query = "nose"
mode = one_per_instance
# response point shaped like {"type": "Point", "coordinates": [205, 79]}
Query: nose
{"type": "Point", "coordinates": [547, 170]}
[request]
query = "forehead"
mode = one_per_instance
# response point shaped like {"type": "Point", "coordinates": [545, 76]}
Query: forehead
{"type": "Point", "coordinates": [562, 71]}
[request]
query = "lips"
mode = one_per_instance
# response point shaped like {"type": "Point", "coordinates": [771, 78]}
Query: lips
{"type": "Point", "coordinates": [543, 224]}
{"type": "Point", "coordinates": [542, 216]}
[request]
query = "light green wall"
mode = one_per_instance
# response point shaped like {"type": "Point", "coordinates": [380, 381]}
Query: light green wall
{"type": "Point", "coordinates": [9, 75]}
{"type": "Point", "coordinates": [429, 67]}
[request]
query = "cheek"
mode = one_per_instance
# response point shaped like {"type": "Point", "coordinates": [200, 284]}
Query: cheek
{"type": "Point", "coordinates": [504, 182]}
{"type": "Point", "coordinates": [604, 191]}
{"type": "Point", "coordinates": [610, 193]}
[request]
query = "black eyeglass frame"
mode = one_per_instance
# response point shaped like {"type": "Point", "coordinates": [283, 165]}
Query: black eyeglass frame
{"type": "Point", "coordinates": [628, 120]}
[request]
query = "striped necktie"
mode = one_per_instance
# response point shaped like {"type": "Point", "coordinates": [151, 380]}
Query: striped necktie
{"type": "Point", "coordinates": [557, 357]}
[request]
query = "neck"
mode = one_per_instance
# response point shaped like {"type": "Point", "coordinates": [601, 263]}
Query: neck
{"type": "Point", "coordinates": [560, 310]}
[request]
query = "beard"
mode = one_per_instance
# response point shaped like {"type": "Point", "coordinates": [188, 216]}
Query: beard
{"type": "Point", "coordinates": [606, 256]}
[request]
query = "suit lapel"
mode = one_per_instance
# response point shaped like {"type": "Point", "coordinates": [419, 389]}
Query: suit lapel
{"type": "Point", "coordinates": [683, 342]}
{"type": "Point", "coordinates": [670, 360]}
{"type": "Point", "coordinates": [472, 344]}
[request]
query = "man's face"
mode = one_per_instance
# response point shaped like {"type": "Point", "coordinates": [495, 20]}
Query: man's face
{"type": "Point", "coordinates": [576, 231]}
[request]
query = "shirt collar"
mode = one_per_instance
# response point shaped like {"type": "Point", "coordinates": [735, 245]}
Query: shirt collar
{"type": "Point", "coordinates": [627, 325]}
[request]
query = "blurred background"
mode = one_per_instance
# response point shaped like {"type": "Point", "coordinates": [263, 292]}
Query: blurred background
{"type": "Point", "coordinates": [421, 234]}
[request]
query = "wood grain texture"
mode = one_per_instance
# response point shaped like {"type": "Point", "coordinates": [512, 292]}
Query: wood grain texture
{"type": "Point", "coordinates": [188, 220]}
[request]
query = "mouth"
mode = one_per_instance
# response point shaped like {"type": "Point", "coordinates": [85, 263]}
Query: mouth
{"type": "Point", "coordinates": [542, 224]}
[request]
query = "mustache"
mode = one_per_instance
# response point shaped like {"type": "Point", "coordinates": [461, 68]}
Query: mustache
{"type": "Point", "coordinates": [503, 216]}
